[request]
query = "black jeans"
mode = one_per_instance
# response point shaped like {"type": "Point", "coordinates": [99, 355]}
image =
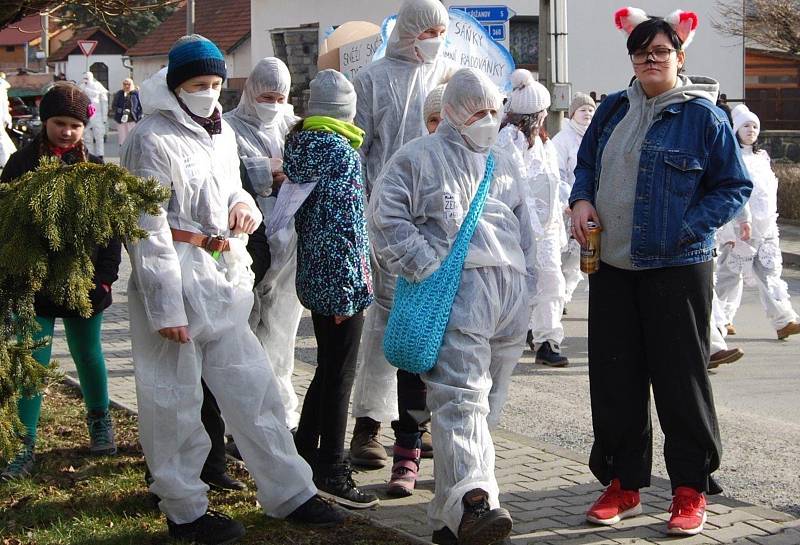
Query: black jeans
{"type": "Point", "coordinates": [651, 327]}
{"type": "Point", "coordinates": [215, 428]}
{"type": "Point", "coordinates": [411, 399]}
{"type": "Point", "coordinates": [323, 420]}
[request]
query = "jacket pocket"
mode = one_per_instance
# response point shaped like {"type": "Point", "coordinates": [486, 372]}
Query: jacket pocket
{"type": "Point", "coordinates": [682, 173]}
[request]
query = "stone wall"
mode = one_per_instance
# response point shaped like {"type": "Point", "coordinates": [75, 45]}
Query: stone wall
{"type": "Point", "coordinates": [781, 145]}
{"type": "Point", "coordinates": [298, 48]}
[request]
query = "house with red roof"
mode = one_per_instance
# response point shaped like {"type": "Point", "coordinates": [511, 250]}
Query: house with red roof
{"type": "Point", "coordinates": [106, 61]}
{"type": "Point", "coordinates": [21, 44]}
{"type": "Point", "coordinates": [225, 22]}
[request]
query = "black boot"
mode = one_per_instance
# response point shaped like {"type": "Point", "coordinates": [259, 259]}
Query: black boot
{"type": "Point", "coordinates": [318, 513]}
{"type": "Point", "coordinates": [480, 524]}
{"type": "Point", "coordinates": [213, 528]}
{"type": "Point", "coordinates": [222, 481]}
{"type": "Point", "coordinates": [335, 481]}
{"type": "Point", "coordinates": [549, 354]}
{"type": "Point", "coordinates": [529, 341]}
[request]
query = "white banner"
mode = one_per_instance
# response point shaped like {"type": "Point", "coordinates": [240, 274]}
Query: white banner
{"type": "Point", "coordinates": [467, 44]}
{"type": "Point", "coordinates": [355, 55]}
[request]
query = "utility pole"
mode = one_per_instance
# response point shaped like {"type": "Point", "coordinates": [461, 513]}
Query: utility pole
{"type": "Point", "coordinates": [553, 60]}
{"type": "Point", "coordinates": [46, 39]}
{"type": "Point", "coordinates": [189, 17]}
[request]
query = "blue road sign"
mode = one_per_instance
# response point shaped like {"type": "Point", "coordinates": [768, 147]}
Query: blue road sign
{"type": "Point", "coordinates": [497, 32]}
{"type": "Point", "coordinates": [494, 14]}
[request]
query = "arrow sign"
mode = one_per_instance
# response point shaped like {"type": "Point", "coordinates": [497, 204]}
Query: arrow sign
{"type": "Point", "coordinates": [494, 14]}
{"type": "Point", "coordinates": [87, 46]}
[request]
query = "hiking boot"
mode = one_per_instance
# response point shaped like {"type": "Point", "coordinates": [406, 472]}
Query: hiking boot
{"type": "Point", "coordinates": [615, 504]}
{"type": "Point", "coordinates": [724, 356]}
{"type": "Point", "coordinates": [427, 441]}
{"type": "Point", "coordinates": [211, 528]}
{"type": "Point", "coordinates": [688, 512]}
{"type": "Point", "coordinates": [336, 483]}
{"type": "Point", "coordinates": [404, 472]}
{"type": "Point", "coordinates": [365, 447]}
{"type": "Point", "coordinates": [444, 536]}
{"type": "Point", "coordinates": [529, 341]}
{"type": "Point", "coordinates": [792, 328]}
{"type": "Point", "coordinates": [222, 481]}
{"type": "Point", "coordinates": [730, 329]}
{"type": "Point", "coordinates": [101, 433]}
{"type": "Point", "coordinates": [550, 354]}
{"type": "Point", "coordinates": [318, 513]}
{"type": "Point", "coordinates": [480, 524]}
{"type": "Point", "coordinates": [22, 464]}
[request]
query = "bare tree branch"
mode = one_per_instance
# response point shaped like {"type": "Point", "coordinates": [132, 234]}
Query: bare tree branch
{"type": "Point", "coordinates": [14, 10]}
{"type": "Point", "coordinates": [771, 24]}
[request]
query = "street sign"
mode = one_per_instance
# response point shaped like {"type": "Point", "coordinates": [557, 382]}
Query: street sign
{"type": "Point", "coordinates": [87, 46]}
{"type": "Point", "coordinates": [493, 14]}
{"type": "Point", "coordinates": [496, 31]}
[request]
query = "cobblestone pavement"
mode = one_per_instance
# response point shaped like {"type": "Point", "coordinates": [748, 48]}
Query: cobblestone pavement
{"type": "Point", "coordinates": [547, 489]}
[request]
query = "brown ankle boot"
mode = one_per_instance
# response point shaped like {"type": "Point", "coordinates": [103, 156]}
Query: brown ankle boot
{"type": "Point", "coordinates": [365, 446]}
{"type": "Point", "coordinates": [480, 524]}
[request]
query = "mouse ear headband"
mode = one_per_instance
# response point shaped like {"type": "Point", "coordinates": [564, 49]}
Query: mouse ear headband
{"type": "Point", "coordinates": [684, 23]}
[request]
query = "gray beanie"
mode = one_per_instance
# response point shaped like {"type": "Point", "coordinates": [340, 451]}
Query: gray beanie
{"type": "Point", "coordinates": [580, 99]}
{"type": "Point", "coordinates": [332, 95]}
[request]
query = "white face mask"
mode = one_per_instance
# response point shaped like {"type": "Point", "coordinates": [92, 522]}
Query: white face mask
{"type": "Point", "coordinates": [481, 135]}
{"type": "Point", "coordinates": [200, 103]}
{"type": "Point", "coordinates": [268, 111]}
{"type": "Point", "coordinates": [429, 49]}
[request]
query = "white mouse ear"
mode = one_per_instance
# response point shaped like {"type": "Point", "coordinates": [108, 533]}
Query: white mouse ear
{"type": "Point", "coordinates": [684, 23]}
{"type": "Point", "coordinates": [626, 19]}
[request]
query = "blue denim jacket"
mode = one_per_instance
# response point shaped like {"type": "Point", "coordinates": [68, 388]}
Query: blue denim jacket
{"type": "Point", "coordinates": [691, 179]}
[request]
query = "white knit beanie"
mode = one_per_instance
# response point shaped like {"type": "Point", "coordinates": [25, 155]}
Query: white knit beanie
{"type": "Point", "coordinates": [433, 102]}
{"type": "Point", "coordinates": [741, 115]}
{"type": "Point", "coordinates": [528, 96]}
{"type": "Point", "coordinates": [580, 99]}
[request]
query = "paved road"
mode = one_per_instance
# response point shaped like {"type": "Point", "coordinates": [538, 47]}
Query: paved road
{"type": "Point", "coordinates": [757, 402]}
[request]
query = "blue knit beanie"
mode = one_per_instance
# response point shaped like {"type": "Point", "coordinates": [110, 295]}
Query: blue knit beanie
{"type": "Point", "coordinates": [193, 56]}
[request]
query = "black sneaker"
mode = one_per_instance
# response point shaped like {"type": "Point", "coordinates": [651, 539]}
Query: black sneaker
{"type": "Point", "coordinates": [444, 536]}
{"type": "Point", "coordinates": [101, 433]}
{"type": "Point", "coordinates": [336, 482]}
{"type": "Point", "coordinates": [480, 524]}
{"type": "Point", "coordinates": [549, 354]}
{"type": "Point", "coordinates": [213, 528]}
{"type": "Point", "coordinates": [222, 481]}
{"type": "Point", "coordinates": [318, 513]}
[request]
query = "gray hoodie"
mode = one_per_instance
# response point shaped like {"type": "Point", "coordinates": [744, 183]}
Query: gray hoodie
{"type": "Point", "coordinates": [616, 193]}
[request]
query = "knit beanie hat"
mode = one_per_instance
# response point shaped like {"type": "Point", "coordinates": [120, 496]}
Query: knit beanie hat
{"type": "Point", "coordinates": [580, 99]}
{"type": "Point", "coordinates": [66, 99]}
{"type": "Point", "coordinates": [332, 95]}
{"type": "Point", "coordinates": [193, 56]}
{"type": "Point", "coordinates": [528, 96]}
{"type": "Point", "coordinates": [741, 114]}
{"type": "Point", "coordinates": [433, 102]}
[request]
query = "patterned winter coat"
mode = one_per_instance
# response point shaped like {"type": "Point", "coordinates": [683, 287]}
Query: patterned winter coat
{"type": "Point", "coordinates": [333, 270]}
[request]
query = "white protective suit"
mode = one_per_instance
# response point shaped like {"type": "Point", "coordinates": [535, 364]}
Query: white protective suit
{"type": "Point", "coordinates": [538, 167]}
{"type": "Point", "coordinates": [276, 311]}
{"type": "Point", "coordinates": [173, 284]}
{"type": "Point", "coordinates": [416, 210]}
{"type": "Point", "coordinates": [391, 94]}
{"type": "Point", "coordinates": [566, 143]}
{"type": "Point", "coordinates": [7, 147]}
{"type": "Point", "coordinates": [95, 133]}
{"type": "Point", "coordinates": [759, 258]}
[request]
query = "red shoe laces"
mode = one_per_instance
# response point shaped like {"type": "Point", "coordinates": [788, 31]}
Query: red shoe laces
{"type": "Point", "coordinates": [685, 504]}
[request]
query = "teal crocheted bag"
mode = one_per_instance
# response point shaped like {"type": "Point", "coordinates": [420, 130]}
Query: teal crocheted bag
{"type": "Point", "coordinates": [421, 310]}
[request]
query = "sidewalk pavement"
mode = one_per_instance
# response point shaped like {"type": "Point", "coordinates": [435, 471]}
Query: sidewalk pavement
{"type": "Point", "coordinates": [547, 489]}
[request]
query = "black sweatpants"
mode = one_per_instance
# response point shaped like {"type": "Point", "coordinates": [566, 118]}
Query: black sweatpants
{"type": "Point", "coordinates": [411, 405]}
{"type": "Point", "coordinates": [651, 327]}
{"type": "Point", "coordinates": [323, 420]}
{"type": "Point", "coordinates": [215, 428]}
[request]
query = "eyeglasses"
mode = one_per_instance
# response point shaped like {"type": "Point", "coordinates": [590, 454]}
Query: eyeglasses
{"type": "Point", "coordinates": [659, 54]}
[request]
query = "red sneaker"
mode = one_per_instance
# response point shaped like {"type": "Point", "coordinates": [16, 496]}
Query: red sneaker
{"type": "Point", "coordinates": [614, 505]}
{"type": "Point", "coordinates": [688, 512]}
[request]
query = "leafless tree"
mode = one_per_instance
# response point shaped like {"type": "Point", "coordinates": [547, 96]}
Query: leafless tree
{"type": "Point", "coordinates": [14, 10]}
{"type": "Point", "coordinates": [771, 24]}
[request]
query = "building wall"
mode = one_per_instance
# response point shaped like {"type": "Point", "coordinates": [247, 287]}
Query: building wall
{"type": "Point", "coordinates": [239, 61]}
{"type": "Point", "coordinates": [144, 67]}
{"type": "Point", "coordinates": [597, 56]}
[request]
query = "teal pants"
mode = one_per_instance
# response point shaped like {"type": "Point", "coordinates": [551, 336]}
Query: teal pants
{"type": "Point", "coordinates": [85, 346]}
